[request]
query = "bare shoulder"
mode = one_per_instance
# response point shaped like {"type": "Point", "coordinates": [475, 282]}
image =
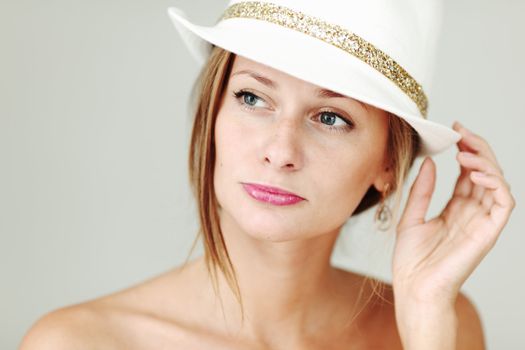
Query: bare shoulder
{"type": "Point", "coordinates": [137, 317]}
{"type": "Point", "coordinates": [73, 327]}
{"type": "Point", "coordinates": [470, 329]}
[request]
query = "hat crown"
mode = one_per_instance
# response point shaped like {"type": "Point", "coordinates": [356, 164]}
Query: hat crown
{"type": "Point", "coordinates": [406, 30]}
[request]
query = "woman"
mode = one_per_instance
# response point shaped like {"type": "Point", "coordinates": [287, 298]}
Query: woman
{"type": "Point", "coordinates": [281, 156]}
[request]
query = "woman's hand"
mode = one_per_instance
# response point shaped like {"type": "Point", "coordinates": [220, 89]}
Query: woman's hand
{"type": "Point", "coordinates": [433, 258]}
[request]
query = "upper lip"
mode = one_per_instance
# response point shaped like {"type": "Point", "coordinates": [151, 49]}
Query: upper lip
{"type": "Point", "coordinates": [272, 189]}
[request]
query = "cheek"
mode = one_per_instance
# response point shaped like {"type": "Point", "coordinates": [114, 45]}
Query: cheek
{"type": "Point", "coordinates": [344, 188]}
{"type": "Point", "coordinates": [230, 139]}
{"type": "Point", "coordinates": [347, 173]}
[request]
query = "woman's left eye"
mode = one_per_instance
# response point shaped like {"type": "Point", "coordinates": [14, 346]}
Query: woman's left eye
{"type": "Point", "coordinates": [335, 122]}
{"type": "Point", "coordinates": [331, 118]}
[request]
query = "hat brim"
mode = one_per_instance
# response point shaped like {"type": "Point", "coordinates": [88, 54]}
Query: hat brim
{"type": "Point", "coordinates": [360, 80]}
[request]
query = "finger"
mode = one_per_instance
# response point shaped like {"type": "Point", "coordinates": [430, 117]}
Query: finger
{"type": "Point", "coordinates": [488, 200]}
{"type": "Point", "coordinates": [478, 192]}
{"type": "Point", "coordinates": [463, 187]}
{"type": "Point", "coordinates": [503, 200]}
{"type": "Point", "coordinates": [479, 163]}
{"type": "Point", "coordinates": [462, 145]}
{"type": "Point", "coordinates": [419, 196]}
{"type": "Point", "coordinates": [472, 141]}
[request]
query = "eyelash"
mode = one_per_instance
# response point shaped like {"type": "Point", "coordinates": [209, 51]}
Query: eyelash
{"type": "Point", "coordinates": [349, 125]}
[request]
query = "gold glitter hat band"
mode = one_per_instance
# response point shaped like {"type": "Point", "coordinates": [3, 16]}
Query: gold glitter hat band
{"type": "Point", "coordinates": [334, 35]}
{"type": "Point", "coordinates": [406, 29]}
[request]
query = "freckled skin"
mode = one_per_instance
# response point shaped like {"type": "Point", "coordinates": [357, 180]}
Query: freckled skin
{"type": "Point", "coordinates": [283, 142]}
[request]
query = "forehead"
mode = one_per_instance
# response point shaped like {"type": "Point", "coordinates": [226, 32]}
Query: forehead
{"type": "Point", "coordinates": [274, 78]}
{"type": "Point", "coordinates": [242, 63]}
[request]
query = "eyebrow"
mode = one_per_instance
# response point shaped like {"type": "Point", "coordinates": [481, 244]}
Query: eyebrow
{"type": "Point", "coordinates": [273, 85]}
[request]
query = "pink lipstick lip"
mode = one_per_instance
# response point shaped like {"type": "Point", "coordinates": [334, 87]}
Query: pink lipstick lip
{"type": "Point", "coordinates": [272, 195]}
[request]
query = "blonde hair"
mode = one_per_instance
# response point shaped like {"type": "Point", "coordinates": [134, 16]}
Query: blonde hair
{"type": "Point", "coordinates": [402, 148]}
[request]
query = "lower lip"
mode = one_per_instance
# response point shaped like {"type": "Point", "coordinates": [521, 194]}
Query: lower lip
{"type": "Point", "coordinates": [268, 197]}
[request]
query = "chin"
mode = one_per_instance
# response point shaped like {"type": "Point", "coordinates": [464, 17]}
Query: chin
{"type": "Point", "coordinates": [273, 234]}
{"type": "Point", "coordinates": [275, 224]}
{"type": "Point", "coordinates": [270, 223]}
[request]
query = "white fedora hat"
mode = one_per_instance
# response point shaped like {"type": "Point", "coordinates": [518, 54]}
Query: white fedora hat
{"type": "Point", "coordinates": [380, 52]}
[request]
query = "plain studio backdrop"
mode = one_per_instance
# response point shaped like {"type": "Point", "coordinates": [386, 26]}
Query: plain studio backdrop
{"type": "Point", "coordinates": [94, 130]}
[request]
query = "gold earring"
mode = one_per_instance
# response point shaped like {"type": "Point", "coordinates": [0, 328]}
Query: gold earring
{"type": "Point", "coordinates": [383, 216]}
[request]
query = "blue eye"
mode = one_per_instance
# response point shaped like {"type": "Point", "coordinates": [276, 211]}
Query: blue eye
{"type": "Point", "coordinates": [249, 99]}
{"type": "Point", "coordinates": [335, 122]}
{"type": "Point", "coordinates": [331, 118]}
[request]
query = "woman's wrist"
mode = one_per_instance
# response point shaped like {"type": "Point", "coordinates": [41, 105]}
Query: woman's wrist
{"type": "Point", "coordinates": [428, 325]}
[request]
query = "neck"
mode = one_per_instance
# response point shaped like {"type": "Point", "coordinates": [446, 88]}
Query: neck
{"type": "Point", "coordinates": [288, 288]}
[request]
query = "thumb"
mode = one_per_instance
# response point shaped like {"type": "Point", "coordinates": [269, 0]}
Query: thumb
{"type": "Point", "coordinates": [419, 196]}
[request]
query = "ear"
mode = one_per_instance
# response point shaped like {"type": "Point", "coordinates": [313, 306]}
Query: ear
{"type": "Point", "coordinates": [384, 177]}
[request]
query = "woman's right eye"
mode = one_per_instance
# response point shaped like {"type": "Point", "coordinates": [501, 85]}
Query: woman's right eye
{"type": "Point", "coordinates": [247, 99]}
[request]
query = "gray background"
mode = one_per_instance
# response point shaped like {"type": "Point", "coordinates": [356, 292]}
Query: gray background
{"type": "Point", "coordinates": [94, 130]}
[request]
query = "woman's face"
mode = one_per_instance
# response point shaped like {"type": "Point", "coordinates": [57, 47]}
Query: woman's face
{"type": "Point", "coordinates": [276, 130]}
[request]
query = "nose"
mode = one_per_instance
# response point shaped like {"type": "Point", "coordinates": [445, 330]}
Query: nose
{"type": "Point", "coordinates": [283, 148]}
